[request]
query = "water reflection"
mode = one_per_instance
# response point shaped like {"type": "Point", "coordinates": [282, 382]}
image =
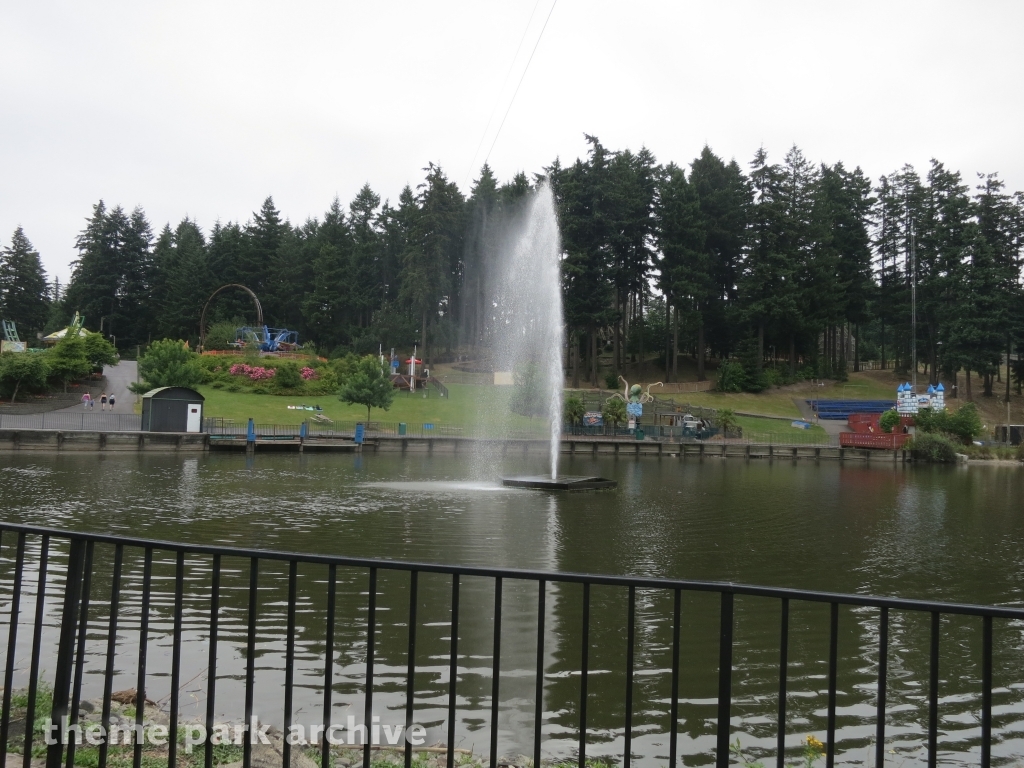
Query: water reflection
{"type": "Point", "coordinates": [917, 533]}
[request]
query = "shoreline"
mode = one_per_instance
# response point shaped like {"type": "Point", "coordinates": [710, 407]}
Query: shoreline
{"type": "Point", "coordinates": [58, 441]}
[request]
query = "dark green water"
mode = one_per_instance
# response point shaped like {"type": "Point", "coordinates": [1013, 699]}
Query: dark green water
{"type": "Point", "coordinates": [937, 533]}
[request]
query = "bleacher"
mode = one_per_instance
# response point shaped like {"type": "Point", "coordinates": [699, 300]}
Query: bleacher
{"type": "Point", "coordinates": [840, 410]}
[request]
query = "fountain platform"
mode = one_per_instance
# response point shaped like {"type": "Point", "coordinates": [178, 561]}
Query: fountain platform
{"type": "Point", "coordinates": [566, 483]}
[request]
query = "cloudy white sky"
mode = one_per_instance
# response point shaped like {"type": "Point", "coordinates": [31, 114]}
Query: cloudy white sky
{"type": "Point", "coordinates": [204, 109]}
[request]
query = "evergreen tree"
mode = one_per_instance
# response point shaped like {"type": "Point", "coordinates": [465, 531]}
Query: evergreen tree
{"type": "Point", "coordinates": [976, 334]}
{"type": "Point", "coordinates": [768, 284]}
{"type": "Point", "coordinates": [185, 281]}
{"type": "Point", "coordinates": [432, 259]}
{"type": "Point", "coordinates": [366, 276]}
{"type": "Point", "coordinates": [480, 252]}
{"type": "Point", "coordinates": [724, 196]}
{"type": "Point", "coordinates": [260, 264]}
{"type": "Point", "coordinates": [225, 256]}
{"type": "Point", "coordinates": [587, 291]}
{"type": "Point", "coordinates": [685, 266]}
{"type": "Point", "coordinates": [23, 288]}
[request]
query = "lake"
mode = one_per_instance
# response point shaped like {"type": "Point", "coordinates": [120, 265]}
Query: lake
{"type": "Point", "coordinates": [951, 534]}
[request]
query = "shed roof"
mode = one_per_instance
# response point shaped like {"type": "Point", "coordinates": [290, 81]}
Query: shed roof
{"type": "Point", "coordinates": [174, 393]}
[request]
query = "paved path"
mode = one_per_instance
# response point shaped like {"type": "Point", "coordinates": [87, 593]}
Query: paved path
{"type": "Point", "coordinates": [831, 426]}
{"type": "Point", "coordinates": [118, 377]}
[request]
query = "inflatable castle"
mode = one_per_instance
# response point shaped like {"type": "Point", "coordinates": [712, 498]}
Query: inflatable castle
{"type": "Point", "coordinates": [908, 402]}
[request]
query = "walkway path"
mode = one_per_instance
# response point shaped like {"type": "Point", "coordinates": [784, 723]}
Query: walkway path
{"type": "Point", "coordinates": [830, 426]}
{"type": "Point", "coordinates": [118, 377]}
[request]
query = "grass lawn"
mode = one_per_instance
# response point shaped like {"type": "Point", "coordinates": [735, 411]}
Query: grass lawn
{"type": "Point", "coordinates": [777, 431]}
{"type": "Point", "coordinates": [485, 407]}
{"type": "Point", "coordinates": [778, 401]}
{"type": "Point", "coordinates": [468, 406]}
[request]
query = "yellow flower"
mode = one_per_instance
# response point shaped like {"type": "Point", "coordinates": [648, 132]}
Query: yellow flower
{"type": "Point", "coordinates": [814, 744]}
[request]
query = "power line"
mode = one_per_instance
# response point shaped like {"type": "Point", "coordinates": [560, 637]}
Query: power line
{"type": "Point", "coordinates": [501, 90]}
{"type": "Point", "coordinates": [541, 35]}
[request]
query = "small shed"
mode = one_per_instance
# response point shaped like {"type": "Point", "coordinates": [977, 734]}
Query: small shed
{"type": "Point", "coordinates": [172, 409]}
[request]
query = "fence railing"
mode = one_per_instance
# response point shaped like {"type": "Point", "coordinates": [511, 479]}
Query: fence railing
{"type": "Point", "coordinates": [72, 420]}
{"type": "Point", "coordinates": [536, 431]}
{"type": "Point", "coordinates": [101, 571]}
{"type": "Point", "coordinates": [441, 388]}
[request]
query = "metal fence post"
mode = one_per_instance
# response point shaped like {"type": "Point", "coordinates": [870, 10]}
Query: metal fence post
{"type": "Point", "coordinates": [66, 652]}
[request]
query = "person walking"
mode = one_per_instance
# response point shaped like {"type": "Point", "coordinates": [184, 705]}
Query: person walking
{"type": "Point", "coordinates": [86, 399]}
{"type": "Point", "coordinates": [103, 401]}
{"type": "Point", "coordinates": [111, 401]}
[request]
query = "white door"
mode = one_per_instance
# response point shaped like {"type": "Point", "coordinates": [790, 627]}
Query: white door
{"type": "Point", "coordinates": [195, 417]}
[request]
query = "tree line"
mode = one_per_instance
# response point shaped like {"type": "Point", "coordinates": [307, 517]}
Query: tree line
{"type": "Point", "coordinates": [789, 267]}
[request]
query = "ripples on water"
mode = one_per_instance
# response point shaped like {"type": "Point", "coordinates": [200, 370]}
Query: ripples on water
{"type": "Point", "coordinates": [925, 533]}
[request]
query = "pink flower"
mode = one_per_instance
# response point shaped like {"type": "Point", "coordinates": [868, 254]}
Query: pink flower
{"type": "Point", "coordinates": [308, 373]}
{"type": "Point", "coordinates": [258, 372]}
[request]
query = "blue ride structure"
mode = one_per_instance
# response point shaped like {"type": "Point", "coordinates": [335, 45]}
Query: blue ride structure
{"type": "Point", "coordinates": [267, 339]}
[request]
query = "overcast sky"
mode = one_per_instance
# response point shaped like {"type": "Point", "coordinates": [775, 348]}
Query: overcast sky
{"type": "Point", "coordinates": [204, 109]}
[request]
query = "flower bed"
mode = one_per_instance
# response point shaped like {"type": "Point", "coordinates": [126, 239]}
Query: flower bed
{"type": "Point", "coordinates": [254, 372]}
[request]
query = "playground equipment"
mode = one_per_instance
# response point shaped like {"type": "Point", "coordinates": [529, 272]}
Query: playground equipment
{"type": "Point", "coordinates": [11, 342]}
{"type": "Point", "coordinates": [635, 397]}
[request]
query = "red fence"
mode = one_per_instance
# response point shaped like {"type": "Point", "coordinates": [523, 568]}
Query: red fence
{"type": "Point", "coordinates": [889, 442]}
{"type": "Point", "coordinates": [867, 423]}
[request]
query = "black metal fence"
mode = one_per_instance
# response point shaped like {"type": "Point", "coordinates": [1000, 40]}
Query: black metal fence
{"type": "Point", "coordinates": [74, 420]}
{"type": "Point", "coordinates": [203, 565]}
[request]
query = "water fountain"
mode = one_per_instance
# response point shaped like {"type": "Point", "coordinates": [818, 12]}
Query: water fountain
{"type": "Point", "coordinates": [529, 331]}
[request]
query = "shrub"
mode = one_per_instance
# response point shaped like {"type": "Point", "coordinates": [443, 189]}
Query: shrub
{"type": "Point", "coordinates": [573, 409]}
{"type": "Point", "coordinates": [253, 372]}
{"type": "Point", "coordinates": [220, 334]}
{"type": "Point", "coordinates": [889, 421]}
{"type": "Point", "coordinates": [24, 371]}
{"type": "Point", "coordinates": [731, 377]}
{"type": "Point", "coordinates": [325, 384]}
{"type": "Point", "coordinates": [528, 392]}
{"type": "Point", "coordinates": [932, 448]}
{"type": "Point", "coordinates": [99, 351]}
{"type": "Point", "coordinates": [964, 423]}
{"type": "Point", "coordinates": [726, 421]}
{"type": "Point", "coordinates": [168, 363]}
{"type": "Point", "coordinates": [345, 366]}
{"type": "Point", "coordinates": [217, 384]}
{"type": "Point", "coordinates": [67, 360]}
{"type": "Point", "coordinates": [614, 411]}
{"type": "Point", "coordinates": [308, 373]}
{"type": "Point", "coordinates": [234, 388]}
{"type": "Point", "coordinates": [287, 376]}
{"type": "Point", "coordinates": [611, 380]}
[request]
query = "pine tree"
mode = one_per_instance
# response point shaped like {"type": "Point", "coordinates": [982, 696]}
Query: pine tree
{"type": "Point", "coordinates": [432, 259]}
{"type": "Point", "coordinates": [366, 276]}
{"type": "Point", "coordinates": [259, 262]}
{"type": "Point", "coordinates": [135, 296]}
{"type": "Point", "coordinates": [768, 284]}
{"type": "Point", "coordinates": [685, 265]}
{"type": "Point", "coordinates": [587, 291]}
{"type": "Point", "coordinates": [23, 286]}
{"type": "Point", "coordinates": [724, 195]}
{"type": "Point", "coordinates": [185, 281]}
{"type": "Point", "coordinates": [482, 214]}
{"type": "Point", "coordinates": [976, 334]}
